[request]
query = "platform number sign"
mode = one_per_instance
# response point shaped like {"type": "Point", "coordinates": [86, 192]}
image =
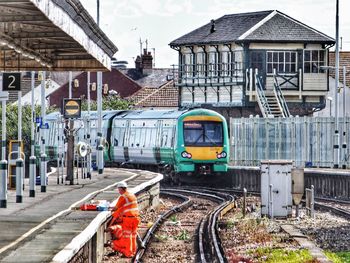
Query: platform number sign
{"type": "Point", "coordinates": [11, 81]}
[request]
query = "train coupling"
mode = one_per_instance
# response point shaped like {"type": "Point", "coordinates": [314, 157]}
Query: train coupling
{"type": "Point", "coordinates": [204, 169]}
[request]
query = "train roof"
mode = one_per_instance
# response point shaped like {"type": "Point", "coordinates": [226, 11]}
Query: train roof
{"type": "Point", "coordinates": [151, 114]}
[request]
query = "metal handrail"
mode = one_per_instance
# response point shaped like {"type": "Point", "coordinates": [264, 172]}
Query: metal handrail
{"type": "Point", "coordinates": [280, 98]}
{"type": "Point", "coordinates": [261, 98]}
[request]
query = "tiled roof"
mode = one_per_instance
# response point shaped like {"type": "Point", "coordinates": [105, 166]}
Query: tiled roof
{"type": "Point", "coordinates": [258, 26]}
{"type": "Point", "coordinates": [25, 88]}
{"type": "Point", "coordinates": [154, 78]}
{"type": "Point", "coordinates": [227, 29]}
{"type": "Point", "coordinates": [282, 28]}
{"type": "Point", "coordinates": [165, 96]}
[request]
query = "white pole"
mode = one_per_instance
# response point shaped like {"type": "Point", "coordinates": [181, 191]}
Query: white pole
{"type": "Point", "coordinates": [3, 163]}
{"type": "Point", "coordinates": [43, 163]}
{"type": "Point", "coordinates": [32, 162]}
{"type": "Point", "coordinates": [19, 121]}
{"type": "Point", "coordinates": [99, 123]}
{"type": "Point", "coordinates": [336, 130]}
{"type": "Point", "coordinates": [70, 84]}
{"type": "Point", "coordinates": [344, 122]}
{"type": "Point", "coordinates": [32, 129]}
{"type": "Point", "coordinates": [88, 127]}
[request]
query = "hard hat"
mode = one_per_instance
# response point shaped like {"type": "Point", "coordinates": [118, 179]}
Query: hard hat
{"type": "Point", "coordinates": [122, 184]}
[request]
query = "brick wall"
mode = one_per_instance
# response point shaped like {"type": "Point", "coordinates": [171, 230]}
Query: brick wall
{"type": "Point", "coordinates": [344, 60]}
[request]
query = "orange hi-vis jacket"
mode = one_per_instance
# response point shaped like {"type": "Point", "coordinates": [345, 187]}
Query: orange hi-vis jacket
{"type": "Point", "coordinates": [126, 206]}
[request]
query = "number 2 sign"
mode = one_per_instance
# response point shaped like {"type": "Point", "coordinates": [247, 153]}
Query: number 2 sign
{"type": "Point", "coordinates": [11, 81]}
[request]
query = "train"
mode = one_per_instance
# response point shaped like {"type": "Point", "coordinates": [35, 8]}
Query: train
{"type": "Point", "coordinates": [176, 143]}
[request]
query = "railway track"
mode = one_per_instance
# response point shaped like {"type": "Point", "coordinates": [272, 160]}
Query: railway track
{"type": "Point", "coordinates": [333, 209]}
{"type": "Point", "coordinates": [146, 240]}
{"type": "Point", "coordinates": [208, 245]}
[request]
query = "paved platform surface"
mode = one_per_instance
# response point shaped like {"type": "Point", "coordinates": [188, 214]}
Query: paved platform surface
{"type": "Point", "coordinates": [315, 251]}
{"type": "Point", "coordinates": [52, 216]}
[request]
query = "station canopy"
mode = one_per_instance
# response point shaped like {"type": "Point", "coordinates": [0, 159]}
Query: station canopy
{"type": "Point", "coordinates": [57, 35]}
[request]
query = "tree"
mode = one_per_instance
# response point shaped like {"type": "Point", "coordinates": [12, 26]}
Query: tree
{"type": "Point", "coordinates": [108, 103]}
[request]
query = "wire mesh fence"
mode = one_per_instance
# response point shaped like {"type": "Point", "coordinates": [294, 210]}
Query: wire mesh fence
{"type": "Point", "coordinates": [308, 141]}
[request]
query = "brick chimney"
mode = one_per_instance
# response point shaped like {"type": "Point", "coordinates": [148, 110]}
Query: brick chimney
{"type": "Point", "coordinates": [144, 63]}
{"type": "Point", "coordinates": [147, 60]}
{"type": "Point", "coordinates": [138, 64]}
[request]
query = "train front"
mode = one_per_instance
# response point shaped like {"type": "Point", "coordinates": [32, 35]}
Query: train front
{"type": "Point", "coordinates": [203, 145]}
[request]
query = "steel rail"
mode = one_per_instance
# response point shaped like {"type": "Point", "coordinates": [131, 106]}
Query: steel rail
{"type": "Point", "coordinates": [338, 211]}
{"type": "Point", "coordinates": [210, 222]}
{"type": "Point", "coordinates": [187, 202]}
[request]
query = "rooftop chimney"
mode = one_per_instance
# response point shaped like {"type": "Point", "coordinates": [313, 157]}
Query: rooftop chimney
{"type": "Point", "coordinates": [212, 29]}
{"type": "Point", "coordinates": [138, 64]}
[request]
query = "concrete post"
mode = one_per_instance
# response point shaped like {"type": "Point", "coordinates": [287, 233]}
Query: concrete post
{"type": "Point", "coordinates": [19, 180]}
{"type": "Point", "coordinates": [32, 175]}
{"type": "Point", "coordinates": [3, 184]}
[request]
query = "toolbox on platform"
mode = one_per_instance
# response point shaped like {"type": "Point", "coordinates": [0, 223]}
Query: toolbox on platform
{"type": "Point", "coordinates": [95, 205]}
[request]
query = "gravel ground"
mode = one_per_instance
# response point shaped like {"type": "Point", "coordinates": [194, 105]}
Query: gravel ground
{"type": "Point", "coordinates": [326, 230]}
{"type": "Point", "coordinates": [175, 239]}
{"type": "Point", "coordinates": [147, 217]}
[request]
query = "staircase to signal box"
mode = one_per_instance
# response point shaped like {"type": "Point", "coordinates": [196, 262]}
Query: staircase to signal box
{"type": "Point", "coordinates": [271, 102]}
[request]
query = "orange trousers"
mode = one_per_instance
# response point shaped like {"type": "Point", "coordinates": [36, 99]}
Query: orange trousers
{"type": "Point", "coordinates": [126, 243]}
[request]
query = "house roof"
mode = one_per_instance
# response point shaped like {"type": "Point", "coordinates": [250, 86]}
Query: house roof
{"type": "Point", "coordinates": [51, 86]}
{"type": "Point", "coordinates": [154, 78]}
{"type": "Point", "coordinates": [115, 80]}
{"type": "Point", "coordinates": [165, 97]}
{"type": "Point", "coordinates": [267, 26]}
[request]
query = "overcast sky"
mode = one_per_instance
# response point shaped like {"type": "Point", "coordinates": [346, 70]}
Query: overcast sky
{"type": "Point", "coordinates": [161, 21]}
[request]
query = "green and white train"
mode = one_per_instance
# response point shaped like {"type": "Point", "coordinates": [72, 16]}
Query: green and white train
{"type": "Point", "coordinates": [175, 142]}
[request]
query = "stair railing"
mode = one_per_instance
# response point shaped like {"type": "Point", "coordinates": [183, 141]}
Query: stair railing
{"type": "Point", "coordinates": [280, 98]}
{"type": "Point", "coordinates": [261, 98]}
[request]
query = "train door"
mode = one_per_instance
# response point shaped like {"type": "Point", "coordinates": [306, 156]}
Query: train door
{"type": "Point", "coordinates": [148, 141]}
{"type": "Point", "coordinates": [167, 141]}
{"type": "Point", "coordinates": [158, 142]}
{"type": "Point", "coordinates": [134, 145]}
{"type": "Point", "coordinates": [119, 129]}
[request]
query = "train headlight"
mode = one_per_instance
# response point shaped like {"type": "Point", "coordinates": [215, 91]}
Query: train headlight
{"type": "Point", "coordinates": [221, 155]}
{"type": "Point", "coordinates": [186, 155]}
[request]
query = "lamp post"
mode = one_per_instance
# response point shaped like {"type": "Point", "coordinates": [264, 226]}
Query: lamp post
{"type": "Point", "coordinates": [336, 152]}
{"type": "Point", "coordinates": [344, 146]}
{"type": "Point", "coordinates": [336, 145]}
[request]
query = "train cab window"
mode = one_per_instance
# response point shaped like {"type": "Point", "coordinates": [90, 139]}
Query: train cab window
{"type": "Point", "coordinates": [203, 133]}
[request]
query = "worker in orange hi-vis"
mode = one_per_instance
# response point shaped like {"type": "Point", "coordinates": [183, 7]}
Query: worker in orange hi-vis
{"type": "Point", "coordinates": [124, 223]}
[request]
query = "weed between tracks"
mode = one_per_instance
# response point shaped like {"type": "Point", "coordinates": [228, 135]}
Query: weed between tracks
{"type": "Point", "coordinates": [254, 239]}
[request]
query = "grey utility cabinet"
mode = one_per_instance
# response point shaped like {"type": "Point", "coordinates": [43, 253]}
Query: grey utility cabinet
{"type": "Point", "coordinates": [276, 188]}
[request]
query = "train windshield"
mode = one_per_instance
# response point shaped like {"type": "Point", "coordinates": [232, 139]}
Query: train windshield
{"type": "Point", "coordinates": [203, 133]}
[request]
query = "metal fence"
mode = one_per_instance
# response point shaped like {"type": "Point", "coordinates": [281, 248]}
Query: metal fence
{"type": "Point", "coordinates": [308, 141]}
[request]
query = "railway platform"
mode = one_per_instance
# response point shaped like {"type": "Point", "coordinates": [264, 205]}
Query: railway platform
{"type": "Point", "coordinates": [52, 228]}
